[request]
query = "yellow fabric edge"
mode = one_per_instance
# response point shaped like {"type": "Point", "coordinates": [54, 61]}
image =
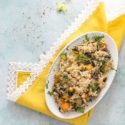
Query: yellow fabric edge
{"type": "Point", "coordinates": [116, 29]}
{"type": "Point", "coordinates": [21, 77]}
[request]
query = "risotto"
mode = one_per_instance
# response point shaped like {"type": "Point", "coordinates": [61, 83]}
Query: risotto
{"type": "Point", "coordinates": [81, 74]}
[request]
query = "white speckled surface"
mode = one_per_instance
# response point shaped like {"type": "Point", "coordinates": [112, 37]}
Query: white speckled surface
{"type": "Point", "coordinates": [25, 32]}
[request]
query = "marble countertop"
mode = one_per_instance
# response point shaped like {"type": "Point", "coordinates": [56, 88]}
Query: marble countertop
{"type": "Point", "coordinates": [28, 28]}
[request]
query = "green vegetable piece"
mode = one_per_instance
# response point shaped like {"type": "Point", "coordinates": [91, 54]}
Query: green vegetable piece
{"type": "Point", "coordinates": [65, 76]}
{"type": "Point", "coordinates": [89, 99]}
{"type": "Point", "coordinates": [102, 65]}
{"type": "Point", "coordinates": [47, 84]}
{"type": "Point", "coordinates": [86, 38]}
{"type": "Point", "coordinates": [81, 58]}
{"type": "Point", "coordinates": [80, 109]}
{"type": "Point", "coordinates": [50, 93]}
{"type": "Point", "coordinates": [98, 38]}
{"type": "Point", "coordinates": [102, 68]}
{"type": "Point", "coordinates": [114, 69]}
{"type": "Point", "coordinates": [63, 54]}
{"type": "Point", "coordinates": [94, 87]}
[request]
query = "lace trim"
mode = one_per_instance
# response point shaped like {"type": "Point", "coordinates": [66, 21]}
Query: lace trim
{"type": "Point", "coordinates": [15, 93]}
{"type": "Point", "coordinates": [13, 70]}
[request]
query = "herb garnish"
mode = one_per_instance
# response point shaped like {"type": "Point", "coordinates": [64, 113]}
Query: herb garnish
{"type": "Point", "coordinates": [50, 93]}
{"type": "Point", "coordinates": [47, 84]}
{"type": "Point", "coordinates": [63, 54]}
{"type": "Point", "coordinates": [98, 38]}
{"type": "Point", "coordinates": [86, 38]}
{"type": "Point", "coordinates": [81, 58]}
{"type": "Point", "coordinates": [94, 87]}
{"type": "Point", "coordinates": [80, 109]}
{"type": "Point", "coordinates": [65, 76]}
{"type": "Point", "coordinates": [102, 64]}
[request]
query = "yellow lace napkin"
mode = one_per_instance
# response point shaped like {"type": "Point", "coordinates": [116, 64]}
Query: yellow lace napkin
{"type": "Point", "coordinates": [34, 97]}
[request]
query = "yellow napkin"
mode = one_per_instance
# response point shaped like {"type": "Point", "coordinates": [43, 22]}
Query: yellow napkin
{"type": "Point", "coordinates": [34, 97]}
